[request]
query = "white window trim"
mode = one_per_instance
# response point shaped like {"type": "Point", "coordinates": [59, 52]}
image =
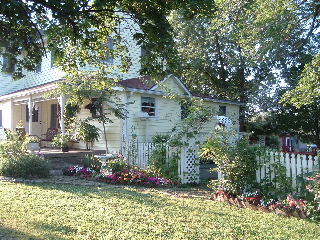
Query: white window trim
{"type": "Point", "coordinates": [155, 107]}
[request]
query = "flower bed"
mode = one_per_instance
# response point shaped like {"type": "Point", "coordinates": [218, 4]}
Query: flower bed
{"type": "Point", "coordinates": [128, 175]}
{"type": "Point", "coordinates": [289, 207]}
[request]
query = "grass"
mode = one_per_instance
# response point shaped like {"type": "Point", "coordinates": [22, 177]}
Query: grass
{"type": "Point", "coordinates": [52, 211]}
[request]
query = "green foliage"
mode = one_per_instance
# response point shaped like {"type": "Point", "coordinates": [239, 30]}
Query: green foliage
{"type": "Point", "coordinates": [235, 159]}
{"type": "Point", "coordinates": [306, 92]}
{"type": "Point", "coordinates": [26, 166]}
{"type": "Point", "coordinates": [88, 133]}
{"type": "Point", "coordinates": [277, 187]}
{"type": "Point", "coordinates": [60, 140]}
{"type": "Point", "coordinates": [303, 122]}
{"type": "Point", "coordinates": [15, 162]}
{"type": "Point", "coordinates": [115, 165]}
{"type": "Point", "coordinates": [160, 162]}
{"type": "Point", "coordinates": [89, 161]}
{"type": "Point", "coordinates": [78, 31]}
{"type": "Point", "coordinates": [70, 115]}
{"type": "Point", "coordinates": [15, 144]}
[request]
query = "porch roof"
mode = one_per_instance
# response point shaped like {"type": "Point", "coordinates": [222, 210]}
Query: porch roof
{"type": "Point", "coordinates": [29, 91]}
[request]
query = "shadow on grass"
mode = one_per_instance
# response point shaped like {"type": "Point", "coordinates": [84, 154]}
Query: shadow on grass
{"type": "Point", "coordinates": [125, 192]}
{"type": "Point", "coordinates": [11, 234]}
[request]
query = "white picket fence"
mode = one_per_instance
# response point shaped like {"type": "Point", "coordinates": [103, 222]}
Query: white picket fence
{"type": "Point", "coordinates": [297, 165]}
{"type": "Point", "coordinates": [139, 154]}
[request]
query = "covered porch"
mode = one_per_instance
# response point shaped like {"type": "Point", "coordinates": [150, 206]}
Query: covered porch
{"type": "Point", "coordinates": [32, 112]}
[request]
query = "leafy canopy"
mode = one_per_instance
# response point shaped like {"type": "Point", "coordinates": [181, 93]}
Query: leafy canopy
{"type": "Point", "coordinates": [78, 30]}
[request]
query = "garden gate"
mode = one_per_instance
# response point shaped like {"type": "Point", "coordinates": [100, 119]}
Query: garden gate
{"type": "Point", "coordinates": [188, 166]}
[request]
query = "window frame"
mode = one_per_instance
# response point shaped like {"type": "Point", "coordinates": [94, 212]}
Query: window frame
{"type": "Point", "coordinates": [52, 59]}
{"type": "Point", "coordinates": [35, 114]}
{"type": "Point", "coordinates": [38, 68]}
{"type": "Point", "coordinates": [108, 58]}
{"type": "Point", "coordinates": [6, 65]}
{"type": "Point", "coordinates": [222, 110]}
{"type": "Point", "coordinates": [144, 107]}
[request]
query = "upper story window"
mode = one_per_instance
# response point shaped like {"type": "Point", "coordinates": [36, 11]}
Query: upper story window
{"type": "Point", "coordinates": [53, 59]}
{"type": "Point", "coordinates": [38, 68]}
{"type": "Point", "coordinates": [7, 65]}
{"type": "Point", "coordinates": [148, 105]}
{"type": "Point", "coordinates": [222, 110]}
{"type": "Point", "coordinates": [185, 109]}
{"type": "Point", "coordinates": [144, 51]}
{"type": "Point", "coordinates": [108, 57]}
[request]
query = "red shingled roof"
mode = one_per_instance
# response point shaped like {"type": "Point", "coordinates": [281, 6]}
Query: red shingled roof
{"type": "Point", "coordinates": [144, 83]}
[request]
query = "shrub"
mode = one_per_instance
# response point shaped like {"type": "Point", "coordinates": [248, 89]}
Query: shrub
{"type": "Point", "coordinates": [25, 165]}
{"type": "Point", "coordinates": [89, 161]}
{"type": "Point", "coordinates": [160, 163]}
{"type": "Point", "coordinates": [15, 162]}
{"type": "Point", "coordinates": [235, 159]}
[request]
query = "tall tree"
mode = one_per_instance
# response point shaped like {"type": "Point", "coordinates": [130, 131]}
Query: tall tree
{"type": "Point", "coordinates": [243, 50]}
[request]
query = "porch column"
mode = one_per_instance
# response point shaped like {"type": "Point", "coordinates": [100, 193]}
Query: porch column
{"type": "Point", "coordinates": [30, 114]}
{"type": "Point", "coordinates": [62, 102]}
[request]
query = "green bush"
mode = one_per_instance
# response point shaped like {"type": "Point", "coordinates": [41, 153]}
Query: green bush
{"type": "Point", "coordinates": [26, 166]}
{"type": "Point", "coordinates": [115, 165]}
{"type": "Point", "coordinates": [159, 163]}
{"type": "Point", "coordinates": [91, 162]}
{"type": "Point", "coordinates": [235, 159]}
{"type": "Point", "coordinates": [15, 162]}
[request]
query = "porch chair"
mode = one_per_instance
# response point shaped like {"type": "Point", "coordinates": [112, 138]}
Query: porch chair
{"type": "Point", "coordinates": [50, 134]}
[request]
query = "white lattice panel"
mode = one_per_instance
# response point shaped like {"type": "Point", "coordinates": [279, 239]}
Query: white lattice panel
{"type": "Point", "coordinates": [189, 163]}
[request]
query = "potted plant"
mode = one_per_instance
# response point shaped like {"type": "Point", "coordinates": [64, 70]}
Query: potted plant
{"type": "Point", "coordinates": [61, 140]}
{"type": "Point", "coordinates": [88, 133]}
{"type": "Point", "coordinates": [33, 143]}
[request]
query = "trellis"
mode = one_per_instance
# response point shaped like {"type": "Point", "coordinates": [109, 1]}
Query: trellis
{"type": "Point", "coordinates": [188, 166]}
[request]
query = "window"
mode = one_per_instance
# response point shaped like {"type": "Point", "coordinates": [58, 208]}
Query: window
{"type": "Point", "coordinates": [35, 114]}
{"type": "Point", "coordinates": [144, 51]}
{"type": "Point", "coordinates": [53, 58]}
{"type": "Point", "coordinates": [148, 104]}
{"type": "Point", "coordinates": [108, 57]}
{"type": "Point", "coordinates": [0, 118]}
{"type": "Point", "coordinates": [222, 110]}
{"type": "Point", "coordinates": [185, 109]}
{"type": "Point", "coordinates": [7, 66]}
{"type": "Point", "coordinates": [38, 68]}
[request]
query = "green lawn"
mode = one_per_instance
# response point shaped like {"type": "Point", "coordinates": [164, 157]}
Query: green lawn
{"type": "Point", "coordinates": [52, 211]}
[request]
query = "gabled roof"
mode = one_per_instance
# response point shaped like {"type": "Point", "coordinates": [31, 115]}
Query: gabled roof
{"type": "Point", "coordinates": [144, 83]}
{"type": "Point", "coordinates": [147, 84]}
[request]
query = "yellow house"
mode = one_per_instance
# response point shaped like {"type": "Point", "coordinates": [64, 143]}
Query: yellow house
{"type": "Point", "coordinates": [150, 112]}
